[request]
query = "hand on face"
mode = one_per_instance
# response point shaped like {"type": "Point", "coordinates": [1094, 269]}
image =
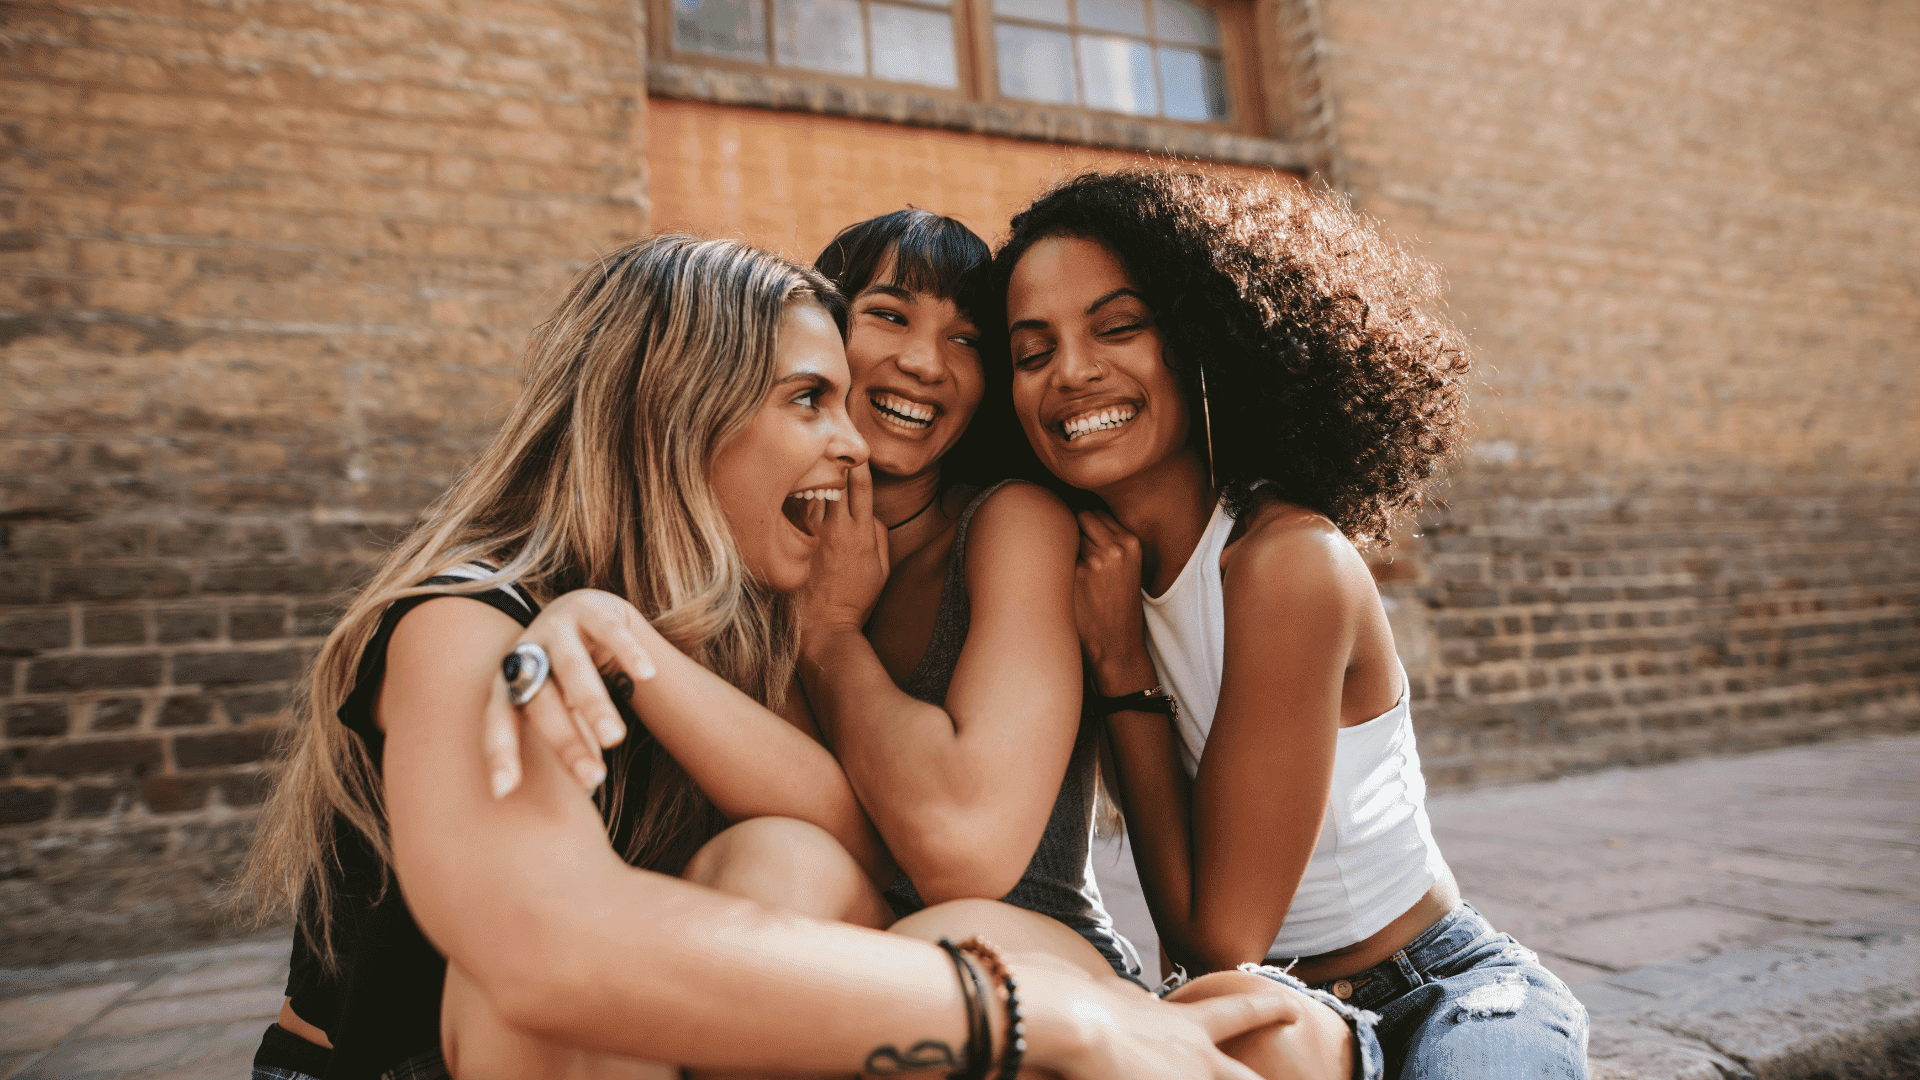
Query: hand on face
{"type": "Point", "coordinates": [1090, 382]}
{"type": "Point", "coordinates": [915, 364]}
{"type": "Point", "coordinates": [1106, 589]}
{"type": "Point", "coordinates": [850, 565]}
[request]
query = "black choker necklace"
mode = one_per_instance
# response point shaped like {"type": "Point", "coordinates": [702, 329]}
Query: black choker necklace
{"type": "Point", "coordinates": [916, 513]}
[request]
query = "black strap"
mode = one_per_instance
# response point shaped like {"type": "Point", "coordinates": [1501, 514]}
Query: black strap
{"type": "Point", "coordinates": [1154, 700]}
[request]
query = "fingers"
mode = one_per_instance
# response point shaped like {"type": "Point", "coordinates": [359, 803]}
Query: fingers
{"type": "Point", "coordinates": [860, 492]}
{"type": "Point", "coordinates": [500, 741]}
{"type": "Point", "coordinates": [584, 693]}
{"type": "Point", "coordinates": [880, 546]}
{"type": "Point", "coordinates": [1235, 1014]}
{"type": "Point", "coordinates": [554, 722]}
{"type": "Point", "coordinates": [1094, 527]}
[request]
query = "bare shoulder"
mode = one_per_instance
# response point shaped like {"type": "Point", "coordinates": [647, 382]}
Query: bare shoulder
{"type": "Point", "coordinates": [1022, 512]}
{"type": "Point", "coordinates": [449, 646]}
{"type": "Point", "coordinates": [1287, 549]}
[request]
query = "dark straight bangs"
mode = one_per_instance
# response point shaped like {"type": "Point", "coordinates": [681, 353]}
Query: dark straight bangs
{"type": "Point", "coordinates": [932, 255]}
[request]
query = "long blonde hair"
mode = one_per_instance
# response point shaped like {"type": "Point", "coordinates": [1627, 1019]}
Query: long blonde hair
{"type": "Point", "coordinates": [598, 478]}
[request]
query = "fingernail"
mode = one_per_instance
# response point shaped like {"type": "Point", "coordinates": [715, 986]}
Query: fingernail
{"type": "Point", "coordinates": [610, 732]}
{"type": "Point", "coordinates": [502, 782]}
{"type": "Point", "coordinates": [590, 774]}
{"type": "Point", "coordinates": [647, 672]}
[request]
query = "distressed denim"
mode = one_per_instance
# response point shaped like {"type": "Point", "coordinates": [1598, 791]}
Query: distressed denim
{"type": "Point", "coordinates": [1467, 1002]}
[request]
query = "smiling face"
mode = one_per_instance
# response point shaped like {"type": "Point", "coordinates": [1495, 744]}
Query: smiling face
{"type": "Point", "coordinates": [1098, 402]}
{"type": "Point", "coordinates": [774, 478]}
{"type": "Point", "coordinates": [915, 362]}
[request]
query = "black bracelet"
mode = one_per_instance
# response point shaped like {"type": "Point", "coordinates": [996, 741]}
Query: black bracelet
{"type": "Point", "coordinates": [1155, 700]}
{"type": "Point", "coordinates": [979, 1031]}
{"type": "Point", "coordinates": [1015, 1047]}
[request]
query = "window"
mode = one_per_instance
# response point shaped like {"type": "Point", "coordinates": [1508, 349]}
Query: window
{"type": "Point", "coordinates": [1168, 60]}
{"type": "Point", "coordinates": [1140, 57]}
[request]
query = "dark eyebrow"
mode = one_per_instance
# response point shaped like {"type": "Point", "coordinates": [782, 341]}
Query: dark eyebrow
{"type": "Point", "coordinates": [1041, 324]}
{"type": "Point", "coordinates": [1112, 296]}
{"type": "Point", "coordinates": [903, 295]}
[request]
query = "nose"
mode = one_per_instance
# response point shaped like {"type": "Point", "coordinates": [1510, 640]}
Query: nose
{"type": "Point", "coordinates": [1075, 365]}
{"type": "Point", "coordinates": [845, 444]}
{"type": "Point", "coordinates": [920, 358]}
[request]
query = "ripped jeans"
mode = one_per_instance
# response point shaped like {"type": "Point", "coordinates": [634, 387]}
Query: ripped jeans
{"type": "Point", "coordinates": [1467, 1001]}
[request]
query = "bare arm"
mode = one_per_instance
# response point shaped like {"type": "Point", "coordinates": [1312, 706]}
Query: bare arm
{"type": "Point", "coordinates": [1222, 857]}
{"type": "Point", "coordinates": [961, 794]}
{"type": "Point", "coordinates": [749, 761]}
{"type": "Point", "coordinates": [525, 896]}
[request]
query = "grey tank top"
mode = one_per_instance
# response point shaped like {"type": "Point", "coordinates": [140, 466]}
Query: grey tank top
{"type": "Point", "coordinates": [1058, 881]}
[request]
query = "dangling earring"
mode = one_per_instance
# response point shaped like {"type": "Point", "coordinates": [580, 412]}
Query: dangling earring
{"type": "Point", "coordinates": [1206, 419]}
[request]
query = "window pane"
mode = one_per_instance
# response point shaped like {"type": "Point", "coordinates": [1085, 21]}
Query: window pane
{"type": "Point", "coordinates": [1185, 23]}
{"type": "Point", "coordinates": [732, 28]}
{"type": "Point", "coordinates": [1119, 74]}
{"type": "Point", "coordinates": [1194, 85]}
{"type": "Point", "coordinates": [822, 35]}
{"type": "Point", "coordinates": [1052, 11]}
{"type": "Point", "coordinates": [1035, 65]}
{"type": "Point", "coordinates": [911, 45]}
{"type": "Point", "coordinates": [1120, 16]}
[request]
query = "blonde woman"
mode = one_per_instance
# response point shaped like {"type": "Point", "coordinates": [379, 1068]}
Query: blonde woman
{"type": "Point", "coordinates": [682, 424]}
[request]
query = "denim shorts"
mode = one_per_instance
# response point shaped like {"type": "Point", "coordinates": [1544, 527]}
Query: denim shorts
{"type": "Point", "coordinates": [1464, 1000]}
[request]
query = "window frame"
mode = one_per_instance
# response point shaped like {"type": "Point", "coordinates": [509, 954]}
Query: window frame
{"type": "Point", "coordinates": [977, 72]}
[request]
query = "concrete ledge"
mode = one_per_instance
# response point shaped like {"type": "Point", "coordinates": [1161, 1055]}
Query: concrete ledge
{"type": "Point", "coordinates": [1836, 1003]}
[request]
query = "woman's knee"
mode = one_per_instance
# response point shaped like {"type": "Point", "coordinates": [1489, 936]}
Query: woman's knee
{"type": "Point", "coordinates": [788, 863]}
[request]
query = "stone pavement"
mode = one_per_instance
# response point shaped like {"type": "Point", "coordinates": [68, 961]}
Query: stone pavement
{"type": "Point", "coordinates": [1727, 917]}
{"type": "Point", "coordinates": [1752, 916]}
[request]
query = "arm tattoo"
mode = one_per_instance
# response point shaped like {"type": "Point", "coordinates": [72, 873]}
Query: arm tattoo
{"type": "Point", "coordinates": [925, 1054]}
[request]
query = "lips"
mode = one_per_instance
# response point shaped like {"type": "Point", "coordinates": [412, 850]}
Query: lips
{"type": "Point", "coordinates": [904, 414]}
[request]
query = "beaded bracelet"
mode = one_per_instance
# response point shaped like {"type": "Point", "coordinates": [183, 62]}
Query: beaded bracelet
{"type": "Point", "coordinates": [979, 1032]}
{"type": "Point", "coordinates": [1016, 1041]}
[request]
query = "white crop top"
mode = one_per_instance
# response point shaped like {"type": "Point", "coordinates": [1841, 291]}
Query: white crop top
{"type": "Point", "coordinates": [1376, 854]}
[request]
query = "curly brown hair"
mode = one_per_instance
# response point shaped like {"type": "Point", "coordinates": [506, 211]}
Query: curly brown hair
{"type": "Point", "coordinates": [1333, 379]}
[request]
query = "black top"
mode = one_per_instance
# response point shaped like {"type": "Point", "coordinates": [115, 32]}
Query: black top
{"type": "Point", "coordinates": [382, 1009]}
{"type": "Point", "coordinates": [1058, 881]}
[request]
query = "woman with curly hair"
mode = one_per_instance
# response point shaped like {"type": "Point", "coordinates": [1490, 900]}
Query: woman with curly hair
{"type": "Point", "coordinates": [1255, 384]}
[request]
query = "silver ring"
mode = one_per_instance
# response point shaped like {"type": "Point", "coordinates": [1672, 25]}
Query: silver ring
{"type": "Point", "coordinates": [526, 670]}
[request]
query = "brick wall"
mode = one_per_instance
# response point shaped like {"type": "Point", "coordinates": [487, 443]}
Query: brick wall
{"type": "Point", "coordinates": [264, 276]}
{"type": "Point", "coordinates": [1686, 238]}
{"type": "Point", "coordinates": [265, 271]}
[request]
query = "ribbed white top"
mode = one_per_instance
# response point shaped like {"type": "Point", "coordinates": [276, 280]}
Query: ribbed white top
{"type": "Point", "coordinates": [1376, 854]}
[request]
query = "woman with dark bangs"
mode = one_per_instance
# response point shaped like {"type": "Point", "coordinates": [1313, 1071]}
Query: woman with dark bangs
{"type": "Point", "coordinates": [939, 656]}
{"type": "Point", "coordinates": [1255, 384]}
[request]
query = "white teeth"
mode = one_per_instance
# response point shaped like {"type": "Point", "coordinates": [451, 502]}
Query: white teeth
{"type": "Point", "coordinates": [899, 409]}
{"type": "Point", "coordinates": [1099, 420]}
{"type": "Point", "coordinates": [827, 494]}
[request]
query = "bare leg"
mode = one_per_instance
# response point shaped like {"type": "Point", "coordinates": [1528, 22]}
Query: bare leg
{"type": "Point", "coordinates": [779, 862]}
{"type": "Point", "coordinates": [1316, 1045]}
